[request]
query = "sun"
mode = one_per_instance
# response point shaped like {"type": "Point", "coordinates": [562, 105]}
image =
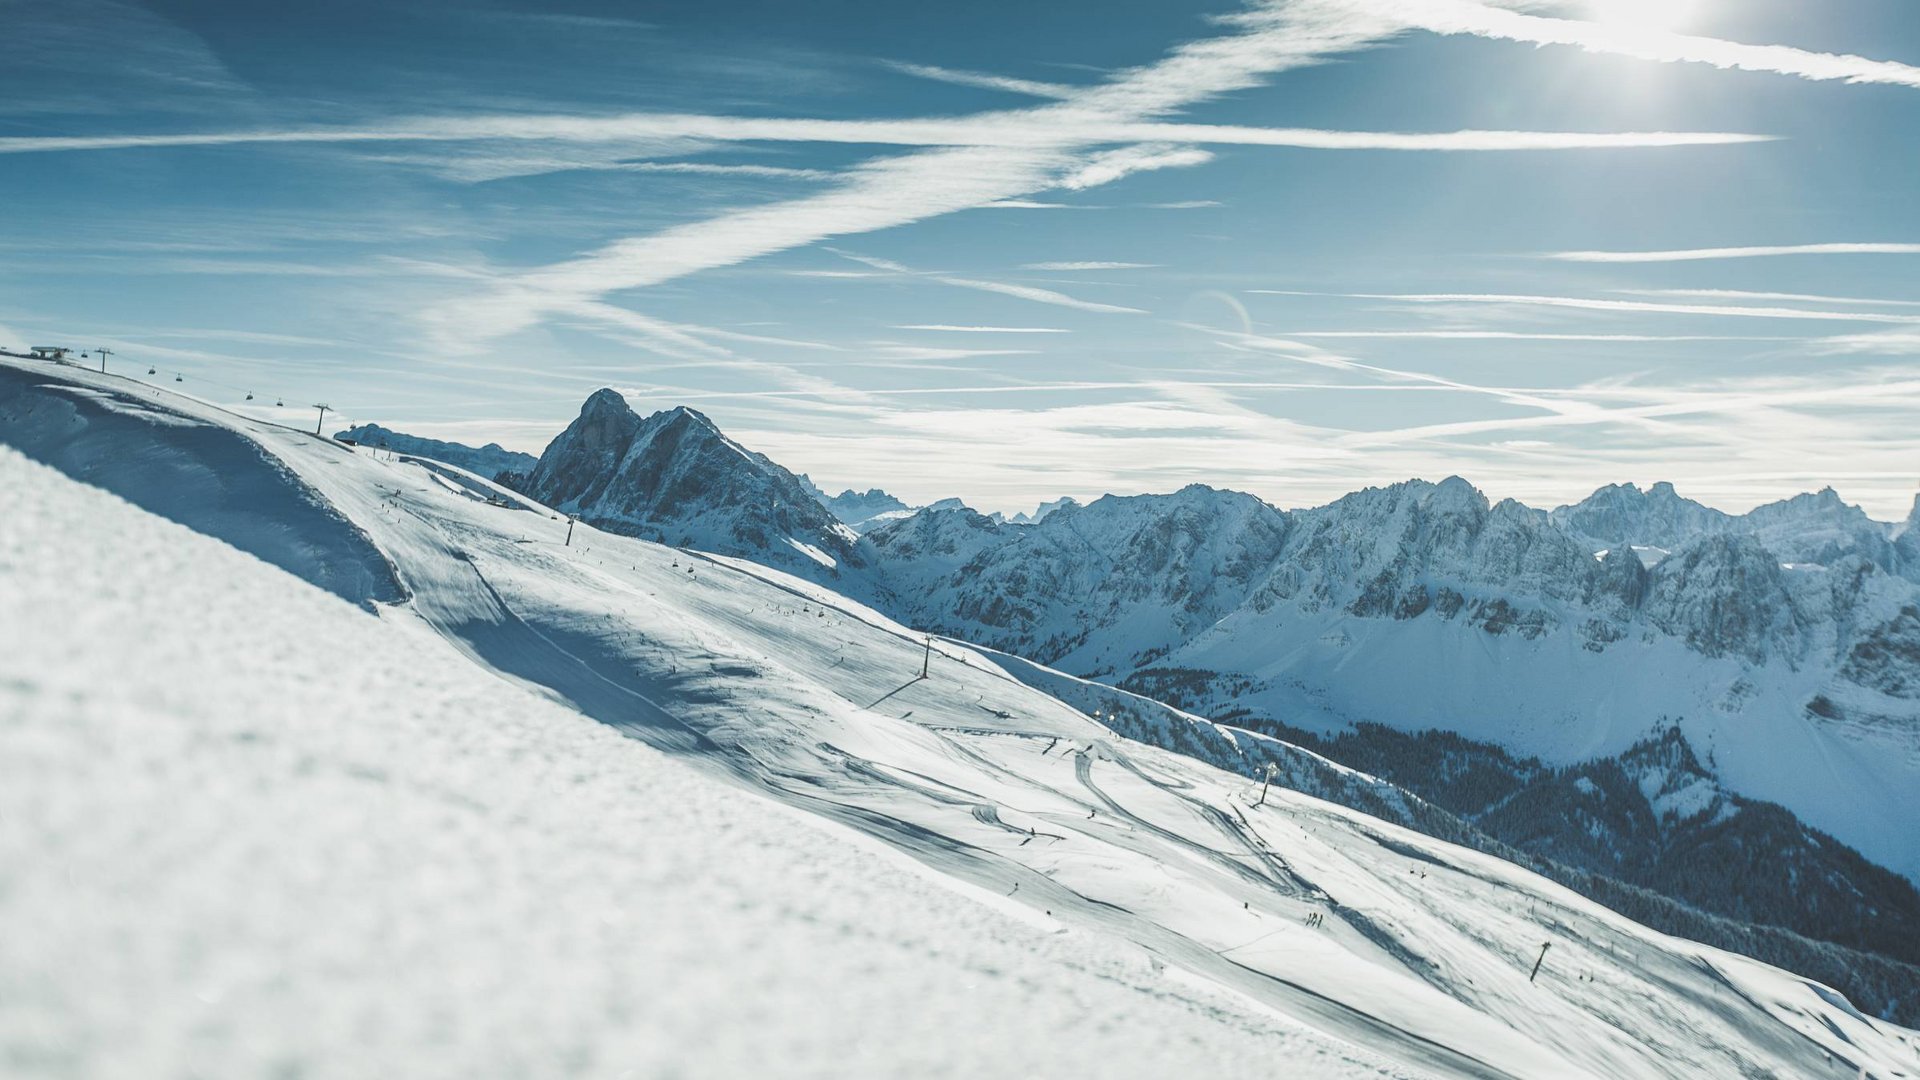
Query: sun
{"type": "Point", "coordinates": [1647, 16]}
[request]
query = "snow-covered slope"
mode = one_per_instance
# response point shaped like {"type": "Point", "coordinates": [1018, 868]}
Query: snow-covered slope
{"type": "Point", "coordinates": [1367, 933]}
{"type": "Point", "coordinates": [212, 475]}
{"type": "Point", "coordinates": [1777, 633]}
{"type": "Point", "coordinates": [490, 460]}
{"type": "Point", "coordinates": [673, 477]}
{"type": "Point", "coordinates": [288, 838]}
{"type": "Point", "coordinates": [1423, 606]}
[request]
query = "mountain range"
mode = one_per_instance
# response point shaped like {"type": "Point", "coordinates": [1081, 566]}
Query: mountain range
{"type": "Point", "coordinates": [489, 461]}
{"type": "Point", "coordinates": [1104, 818]}
{"type": "Point", "coordinates": [1640, 688]}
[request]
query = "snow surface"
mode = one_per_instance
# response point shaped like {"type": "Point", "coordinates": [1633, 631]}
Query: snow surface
{"type": "Point", "coordinates": [479, 835]}
{"type": "Point", "coordinates": [286, 838]}
{"type": "Point", "coordinates": [1421, 606]}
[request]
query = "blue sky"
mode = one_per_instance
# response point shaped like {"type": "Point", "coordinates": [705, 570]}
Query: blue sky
{"type": "Point", "coordinates": [1011, 251]}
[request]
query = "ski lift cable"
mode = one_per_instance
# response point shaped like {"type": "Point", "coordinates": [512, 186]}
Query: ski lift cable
{"type": "Point", "coordinates": [279, 400]}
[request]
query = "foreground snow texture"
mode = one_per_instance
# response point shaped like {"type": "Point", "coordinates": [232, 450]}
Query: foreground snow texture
{"type": "Point", "coordinates": [288, 832]}
{"type": "Point", "coordinates": [246, 830]}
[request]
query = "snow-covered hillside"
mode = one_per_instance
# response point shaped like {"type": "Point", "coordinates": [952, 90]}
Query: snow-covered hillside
{"type": "Point", "coordinates": [1368, 934]}
{"type": "Point", "coordinates": [490, 460]}
{"type": "Point", "coordinates": [1424, 606]}
{"type": "Point", "coordinates": [247, 830]}
{"type": "Point", "coordinates": [1218, 601]}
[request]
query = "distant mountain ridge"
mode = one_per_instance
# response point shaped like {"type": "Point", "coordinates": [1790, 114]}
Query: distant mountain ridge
{"type": "Point", "coordinates": [1816, 527]}
{"type": "Point", "coordinates": [860, 511]}
{"type": "Point", "coordinates": [489, 461]}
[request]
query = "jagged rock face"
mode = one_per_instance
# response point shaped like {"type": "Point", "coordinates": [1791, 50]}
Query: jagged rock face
{"type": "Point", "coordinates": [1821, 529]}
{"type": "Point", "coordinates": [1887, 657]}
{"type": "Point", "coordinates": [1622, 514]}
{"type": "Point", "coordinates": [929, 546]}
{"type": "Point", "coordinates": [489, 461]}
{"type": "Point", "coordinates": [1620, 585]}
{"type": "Point", "coordinates": [1113, 585]}
{"type": "Point", "coordinates": [1040, 512]}
{"type": "Point", "coordinates": [1817, 528]}
{"type": "Point", "coordinates": [1138, 573]}
{"type": "Point", "coordinates": [1399, 551]}
{"type": "Point", "coordinates": [1726, 596]}
{"type": "Point", "coordinates": [1906, 542]}
{"type": "Point", "coordinates": [583, 461]}
{"type": "Point", "coordinates": [673, 477]}
{"type": "Point", "coordinates": [859, 508]}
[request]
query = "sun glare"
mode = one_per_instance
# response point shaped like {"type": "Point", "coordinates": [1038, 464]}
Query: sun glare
{"type": "Point", "coordinates": [1652, 16]}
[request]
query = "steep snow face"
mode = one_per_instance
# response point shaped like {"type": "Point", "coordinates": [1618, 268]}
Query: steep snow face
{"type": "Point", "coordinates": [1100, 587]}
{"type": "Point", "coordinates": [490, 460]}
{"type": "Point", "coordinates": [673, 477]}
{"type": "Point", "coordinates": [1622, 514]}
{"type": "Point", "coordinates": [289, 838]}
{"type": "Point", "coordinates": [1416, 949]}
{"type": "Point", "coordinates": [216, 479]}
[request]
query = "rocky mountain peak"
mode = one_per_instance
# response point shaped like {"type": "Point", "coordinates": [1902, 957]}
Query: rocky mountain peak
{"type": "Point", "coordinates": [1727, 596]}
{"type": "Point", "coordinates": [1619, 515]}
{"type": "Point", "coordinates": [605, 399]}
{"type": "Point", "coordinates": [676, 478]}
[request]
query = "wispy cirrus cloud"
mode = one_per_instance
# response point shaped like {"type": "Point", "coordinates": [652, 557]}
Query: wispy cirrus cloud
{"type": "Point", "coordinates": [1097, 135]}
{"type": "Point", "coordinates": [487, 164]}
{"type": "Point", "coordinates": [1881, 343]}
{"type": "Point", "coordinates": [893, 351]}
{"type": "Point", "coordinates": [1513, 335]}
{"type": "Point", "coordinates": [1740, 294]}
{"type": "Point", "coordinates": [1582, 303]}
{"type": "Point", "coordinates": [1019, 292]}
{"type": "Point", "coordinates": [1552, 404]}
{"type": "Point", "coordinates": [1088, 266]}
{"type": "Point", "coordinates": [949, 329]}
{"type": "Point", "coordinates": [1029, 87]}
{"type": "Point", "coordinates": [1502, 22]}
{"type": "Point", "coordinates": [1031, 129]}
{"type": "Point", "coordinates": [1705, 254]}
